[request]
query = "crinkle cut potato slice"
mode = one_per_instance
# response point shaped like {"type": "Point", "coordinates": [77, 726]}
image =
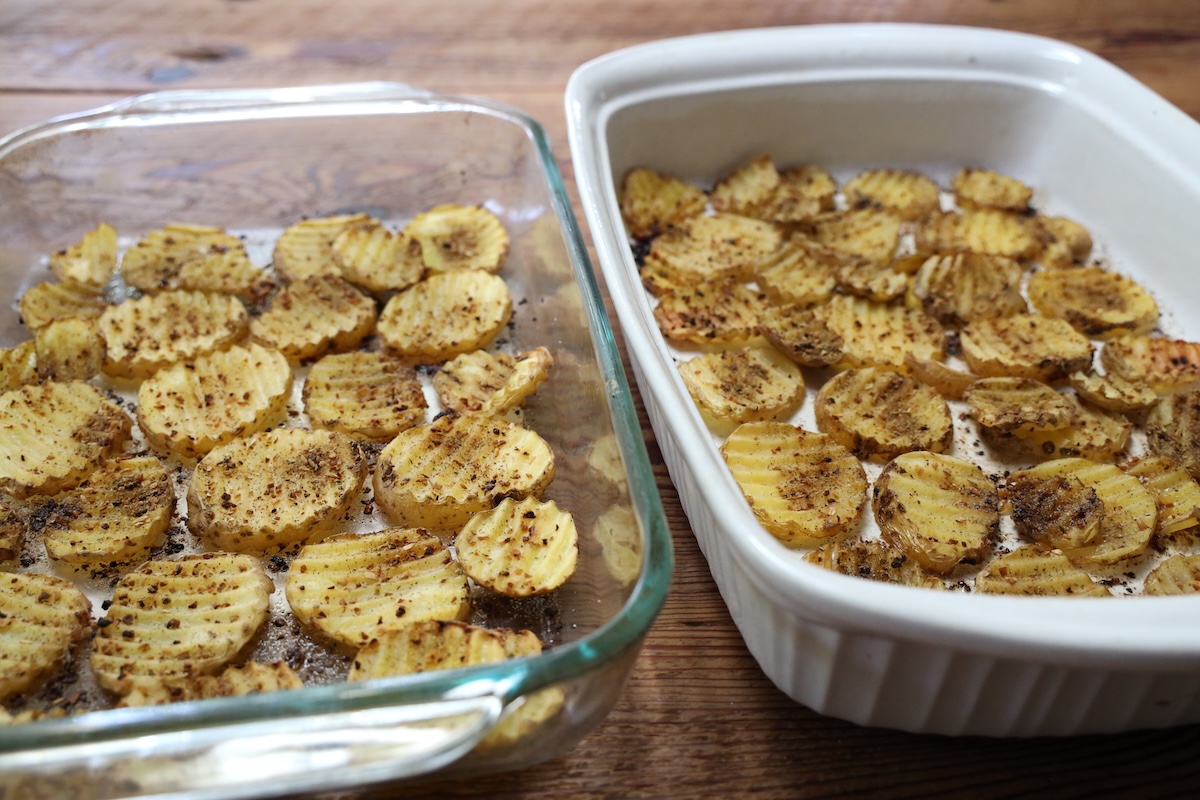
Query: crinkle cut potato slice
{"type": "Point", "coordinates": [940, 510]}
{"type": "Point", "coordinates": [438, 475]}
{"type": "Point", "coordinates": [1176, 575]}
{"type": "Point", "coordinates": [273, 489]}
{"type": "Point", "coordinates": [1157, 362]}
{"type": "Point", "coordinates": [70, 349]}
{"type": "Point", "coordinates": [1097, 302]}
{"type": "Point", "coordinates": [314, 316]}
{"type": "Point", "coordinates": [870, 232]}
{"type": "Point", "coordinates": [305, 249]}
{"type": "Point", "coordinates": [745, 189]}
{"type": "Point", "coordinates": [1019, 406]}
{"type": "Point", "coordinates": [1175, 491]}
{"type": "Point", "coordinates": [42, 619]}
{"type": "Point", "coordinates": [983, 188]}
{"type": "Point", "coordinates": [801, 335]}
{"type": "Point", "coordinates": [803, 192]}
{"type": "Point", "coordinates": [1056, 511]}
{"type": "Point", "coordinates": [801, 271]}
{"type": "Point", "coordinates": [1067, 243]}
{"type": "Point", "coordinates": [146, 334]}
{"type": "Point", "coordinates": [875, 560]}
{"type": "Point", "coordinates": [1025, 345]}
{"type": "Point", "coordinates": [803, 487]}
{"type": "Point", "coordinates": [1112, 392]}
{"type": "Point", "coordinates": [713, 314]}
{"type": "Point", "coordinates": [446, 314]}
{"type": "Point", "coordinates": [351, 588]}
{"type": "Point", "coordinates": [877, 335]}
{"type": "Point", "coordinates": [53, 435]}
{"type": "Point", "coordinates": [454, 237]}
{"type": "Point", "coordinates": [520, 548]}
{"type": "Point", "coordinates": [188, 409]}
{"type": "Point", "coordinates": [252, 678]}
{"type": "Point", "coordinates": [45, 302]}
{"type": "Point", "coordinates": [18, 365]}
{"type": "Point", "coordinates": [491, 383]}
{"type": "Point", "coordinates": [1173, 430]}
{"type": "Point", "coordinates": [878, 414]}
{"type": "Point", "coordinates": [735, 386]}
{"type": "Point", "coordinates": [981, 230]}
{"type": "Point", "coordinates": [908, 195]}
{"type": "Point", "coordinates": [377, 260]}
{"type": "Point", "coordinates": [153, 263]}
{"type": "Point", "coordinates": [367, 395]}
{"type": "Point", "coordinates": [708, 247]}
{"type": "Point", "coordinates": [1031, 570]}
{"type": "Point", "coordinates": [91, 261]}
{"type": "Point", "coordinates": [652, 202]}
{"type": "Point", "coordinates": [180, 618]}
{"type": "Point", "coordinates": [956, 288]}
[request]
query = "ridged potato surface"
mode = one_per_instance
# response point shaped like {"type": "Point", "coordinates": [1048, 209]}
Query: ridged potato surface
{"type": "Point", "coordinates": [956, 288]}
{"type": "Point", "coordinates": [878, 414]}
{"type": "Point", "coordinates": [314, 316]}
{"type": "Point", "coordinates": [91, 261]}
{"type": "Point", "coordinates": [252, 678]}
{"type": "Point", "coordinates": [1163, 364]}
{"type": "Point", "coordinates": [651, 201]}
{"type": "Point", "coordinates": [520, 548]}
{"type": "Point", "coordinates": [47, 301]}
{"type": "Point", "coordinates": [1176, 493]}
{"type": "Point", "coordinates": [42, 619]}
{"type": "Point", "coordinates": [491, 383]}
{"type": "Point", "coordinates": [444, 315]}
{"type": "Point", "coordinates": [1032, 571]}
{"type": "Point", "coordinates": [1096, 301]}
{"type": "Point", "coordinates": [375, 259]}
{"type": "Point", "coordinates": [146, 334]}
{"type": "Point", "coordinates": [305, 248]}
{"type": "Point", "coordinates": [367, 395]}
{"type": "Point", "coordinates": [70, 349]}
{"type": "Point", "coordinates": [1025, 345]}
{"type": "Point", "coordinates": [743, 385]}
{"type": "Point", "coordinates": [909, 195]}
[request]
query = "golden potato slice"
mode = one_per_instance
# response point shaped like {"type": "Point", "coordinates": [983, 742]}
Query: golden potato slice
{"type": "Point", "coordinates": [145, 334]}
{"type": "Point", "coordinates": [377, 260]}
{"type": "Point", "coordinates": [115, 516]}
{"type": "Point", "coordinates": [1025, 346]}
{"type": "Point", "coordinates": [188, 409]}
{"type": "Point", "coordinates": [1112, 392]}
{"type": "Point", "coordinates": [438, 475]}
{"type": "Point", "coordinates": [179, 618]}
{"type": "Point", "coordinates": [251, 678]}
{"type": "Point", "coordinates": [366, 395]}
{"type": "Point", "coordinates": [45, 302]}
{"type": "Point", "coordinates": [802, 192]}
{"type": "Point", "coordinates": [427, 646]}
{"type": "Point", "coordinates": [984, 230]}
{"type": "Point", "coordinates": [707, 248]}
{"type": "Point", "coordinates": [1097, 302]}
{"type": "Point", "coordinates": [1176, 493]}
{"type": "Point", "coordinates": [620, 539]}
{"type": "Point", "coordinates": [1173, 430]}
{"type": "Point", "coordinates": [352, 588]}
{"type": "Point", "coordinates": [18, 365]}
{"type": "Point", "coordinates": [456, 237]}
{"type": "Point", "coordinates": [801, 271]}
{"type": "Point", "coordinates": [875, 282]}
{"type": "Point", "coordinates": [520, 548]}
{"type": "Point", "coordinates": [446, 314]}
{"type": "Point", "coordinates": [875, 560]}
{"type": "Point", "coordinates": [1176, 575]}
{"type": "Point", "coordinates": [154, 262]}
{"type": "Point", "coordinates": [1130, 512]}
{"type": "Point", "coordinates": [745, 189]}
{"type": "Point", "coordinates": [950, 383]}
{"type": "Point", "coordinates": [1066, 242]}
{"type": "Point", "coordinates": [91, 261]}
{"type": "Point", "coordinates": [956, 288]}
{"type": "Point", "coordinates": [70, 349]}
{"type": "Point", "coordinates": [56, 434]}
{"type": "Point", "coordinates": [873, 334]}
{"type": "Point", "coordinates": [1159, 363]}
{"type": "Point", "coordinates": [1054, 510]}
{"type": "Point", "coordinates": [226, 272]}
{"type": "Point", "coordinates": [872, 233]}
{"type": "Point", "coordinates": [1093, 433]}
{"type": "Point", "coordinates": [803, 487]}
{"type": "Point", "coordinates": [314, 316]}
{"type": "Point", "coordinates": [42, 618]}
{"type": "Point", "coordinates": [713, 314]}
{"type": "Point", "coordinates": [939, 510]}
{"type": "Point", "coordinates": [801, 335]}
{"type": "Point", "coordinates": [273, 489]}
{"type": "Point", "coordinates": [878, 414]}
{"type": "Point", "coordinates": [1030, 570]}
{"type": "Point", "coordinates": [743, 385]}
{"type": "Point", "coordinates": [1019, 406]}
{"type": "Point", "coordinates": [982, 188]}
{"type": "Point", "coordinates": [651, 202]}
{"type": "Point", "coordinates": [908, 195]}
{"type": "Point", "coordinates": [491, 383]}
{"type": "Point", "coordinates": [305, 249]}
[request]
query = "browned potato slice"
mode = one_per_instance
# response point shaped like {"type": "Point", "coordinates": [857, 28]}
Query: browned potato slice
{"type": "Point", "coordinates": [1176, 493]}
{"type": "Point", "coordinates": [44, 618]}
{"type": "Point", "coordinates": [305, 249]}
{"type": "Point", "coordinates": [491, 383]}
{"type": "Point", "coordinates": [273, 489]}
{"type": "Point", "coordinates": [366, 395]}
{"type": "Point", "coordinates": [950, 383]}
{"type": "Point", "coordinates": [155, 261]}
{"type": "Point", "coordinates": [872, 233]}
{"type": "Point", "coordinates": [188, 409]}
{"type": "Point", "coordinates": [875, 560]}
{"type": "Point", "coordinates": [1030, 570]}
{"type": "Point", "coordinates": [875, 282]}
{"type": "Point", "coordinates": [801, 335]}
{"type": "Point", "coordinates": [352, 588]}
{"type": "Point", "coordinates": [252, 678]}
{"type": "Point", "coordinates": [745, 189]}
{"type": "Point", "coordinates": [707, 248]}
{"type": "Point", "coordinates": [958, 287]}
{"type": "Point", "coordinates": [713, 314]}
{"type": "Point", "coordinates": [313, 316]}
{"type": "Point", "coordinates": [179, 618]}
{"type": "Point", "coordinates": [45, 302]}
{"type": "Point", "coordinates": [520, 548]}
{"type": "Point", "coordinates": [438, 475]}
{"type": "Point", "coordinates": [878, 414]}
{"type": "Point", "coordinates": [13, 527]}
{"type": "Point", "coordinates": [984, 230]}
{"type": "Point", "coordinates": [459, 237]}
{"type": "Point", "coordinates": [1160, 363]}
{"type": "Point", "coordinates": [1130, 512]}
{"type": "Point", "coordinates": [1112, 392]}
{"type": "Point", "coordinates": [803, 192]}
{"type": "Point", "coordinates": [18, 365]}
{"type": "Point", "coordinates": [227, 272]}
{"type": "Point", "coordinates": [69, 349]}
{"type": "Point", "coordinates": [91, 261]}
{"type": "Point", "coordinates": [803, 487]}
{"type": "Point", "coordinates": [617, 532]}
{"type": "Point", "coordinates": [981, 188]}
{"type": "Point", "coordinates": [736, 386]}
{"type": "Point", "coordinates": [1054, 510]}
{"type": "Point", "coordinates": [115, 516]}
{"type": "Point", "coordinates": [1092, 433]}
{"type": "Point", "coordinates": [1176, 575]}
{"type": "Point", "coordinates": [873, 334]}
{"type": "Point", "coordinates": [377, 260]}
{"type": "Point", "coordinates": [651, 202]}
{"type": "Point", "coordinates": [1099, 303]}
{"type": "Point", "coordinates": [1173, 430]}
{"type": "Point", "coordinates": [446, 314]}
{"type": "Point", "coordinates": [1019, 406]}
{"type": "Point", "coordinates": [144, 335]}
{"type": "Point", "coordinates": [908, 195]}
{"type": "Point", "coordinates": [55, 435]}
{"type": "Point", "coordinates": [1025, 345]}
{"type": "Point", "coordinates": [1067, 243]}
{"type": "Point", "coordinates": [939, 510]}
{"type": "Point", "coordinates": [425, 647]}
{"type": "Point", "coordinates": [801, 271]}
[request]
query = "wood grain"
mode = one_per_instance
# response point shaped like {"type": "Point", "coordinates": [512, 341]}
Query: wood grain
{"type": "Point", "coordinates": [697, 718]}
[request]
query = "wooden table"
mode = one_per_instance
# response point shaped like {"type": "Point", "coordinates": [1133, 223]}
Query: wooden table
{"type": "Point", "coordinates": [698, 718]}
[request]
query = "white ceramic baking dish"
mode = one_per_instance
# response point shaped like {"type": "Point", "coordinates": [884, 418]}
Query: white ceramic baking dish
{"type": "Point", "coordinates": [1099, 147]}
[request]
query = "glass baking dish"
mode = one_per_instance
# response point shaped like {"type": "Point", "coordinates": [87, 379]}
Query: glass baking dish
{"type": "Point", "coordinates": [259, 160]}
